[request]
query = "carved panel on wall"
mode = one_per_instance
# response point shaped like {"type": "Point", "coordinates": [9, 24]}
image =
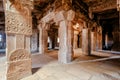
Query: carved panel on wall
{"type": "Point", "coordinates": [18, 24]}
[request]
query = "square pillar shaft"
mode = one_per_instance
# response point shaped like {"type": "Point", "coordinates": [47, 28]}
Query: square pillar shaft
{"type": "Point", "coordinates": [43, 38]}
{"type": "Point", "coordinates": [86, 42]}
{"type": "Point", "coordinates": [66, 42]}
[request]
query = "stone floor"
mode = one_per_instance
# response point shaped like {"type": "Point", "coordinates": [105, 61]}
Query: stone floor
{"type": "Point", "coordinates": [98, 66]}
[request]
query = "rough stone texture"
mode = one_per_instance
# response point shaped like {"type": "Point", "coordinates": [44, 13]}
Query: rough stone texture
{"type": "Point", "coordinates": [59, 17]}
{"type": "Point", "coordinates": [93, 41]}
{"type": "Point", "coordinates": [66, 42]}
{"type": "Point", "coordinates": [18, 26]}
{"type": "Point", "coordinates": [16, 23]}
{"type": "Point", "coordinates": [17, 67]}
{"type": "Point", "coordinates": [20, 39]}
{"type": "Point", "coordinates": [27, 43]}
{"type": "Point", "coordinates": [103, 5]}
{"type": "Point", "coordinates": [43, 37]}
{"type": "Point", "coordinates": [75, 41]}
{"type": "Point", "coordinates": [86, 41]}
{"type": "Point", "coordinates": [99, 38]}
{"type": "Point", "coordinates": [48, 17]}
{"type": "Point", "coordinates": [10, 44]}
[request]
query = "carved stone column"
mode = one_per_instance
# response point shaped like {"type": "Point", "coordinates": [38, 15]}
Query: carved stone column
{"type": "Point", "coordinates": [93, 41]}
{"type": "Point", "coordinates": [86, 42]}
{"type": "Point", "coordinates": [66, 42]}
{"type": "Point", "coordinates": [99, 38]}
{"type": "Point", "coordinates": [75, 41]}
{"type": "Point", "coordinates": [18, 27]}
{"type": "Point", "coordinates": [43, 39]}
{"type": "Point", "coordinates": [65, 54]}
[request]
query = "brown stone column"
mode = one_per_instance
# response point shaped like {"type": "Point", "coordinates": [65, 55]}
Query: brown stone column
{"type": "Point", "coordinates": [86, 42]}
{"type": "Point", "coordinates": [43, 38]}
{"type": "Point", "coordinates": [66, 42]}
{"type": "Point", "coordinates": [93, 41]}
{"type": "Point", "coordinates": [75, 41]}
{"type": "Point", "coordinates": [18, 27]}
{"type": "Point", "coordinates": [99, 38]}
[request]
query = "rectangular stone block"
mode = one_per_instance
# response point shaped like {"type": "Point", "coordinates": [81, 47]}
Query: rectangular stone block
{"type": "Point", "coordinates": [20, 41]}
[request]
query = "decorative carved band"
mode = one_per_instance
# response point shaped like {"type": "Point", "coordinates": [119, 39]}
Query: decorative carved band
{"type": "Point", "coordinates": [16, 23]}
{"type": "Point", "coordinates": [111, 4]}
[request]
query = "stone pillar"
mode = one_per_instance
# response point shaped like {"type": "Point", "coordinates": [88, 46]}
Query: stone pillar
{"type": "Point", "coordinates": [86, 42]}
{"type": "Point", "coordinates": [18, 27]}
{"type": "Point", "coordinates": [75, 41]}
{"type": "Point", "coordinates": [66, 42]}
{"type": "Point", "coordinates": [43, 39]}
{"type": "Point", "coordinates": [99, 38]}
{"type": "Point", "coordinates": [50, 42]}
{"type": "Point", "coordinates": [93, 41]}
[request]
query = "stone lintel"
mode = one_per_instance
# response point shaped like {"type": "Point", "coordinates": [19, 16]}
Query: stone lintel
{"type": "Point", "coordinates": [111, 4]}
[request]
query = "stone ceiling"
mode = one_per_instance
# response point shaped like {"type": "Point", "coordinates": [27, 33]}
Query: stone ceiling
{"type": "Point", "coordinates": [41, 7]}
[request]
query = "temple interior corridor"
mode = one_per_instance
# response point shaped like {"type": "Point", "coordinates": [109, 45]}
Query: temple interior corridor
{"type": "Point", "coordinates": [59, 39]}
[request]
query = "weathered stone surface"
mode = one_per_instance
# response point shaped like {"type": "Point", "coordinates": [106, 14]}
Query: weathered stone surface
{"type": "Point", "coordinates": [43, 37]}
{"type": "Point", "coordinates": [70, 15]}
{"type": "Point", "coordinates": [11, 45]}
{"type": "Point", "coordinates": [104, 5]}
{"type": "Point", "coordinates": [18, 24]}
{"type": "Point", "coordinates": [93, 41]}
{"type": "Point", "coordinates": [59, 16]}
{"type": "Point", "coordinates": [86, 42]}
{"type": "Point", "coordinates": [20, 39]}
{"type": "Point", "coordinates": [27, 43]}
{"type": "Point", "coordinates": [48, 17]}
{"type": "Point", "coordinates": [17, 67]}
{"type": "Point", "coordinates": [66, 42]}
{"type": "Point", "coordinates": [99, 38]}
{"type": "Point", "coordinates": [75, 41]}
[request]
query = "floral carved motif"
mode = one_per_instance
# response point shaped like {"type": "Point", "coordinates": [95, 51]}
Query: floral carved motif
{"type": "Point", "coordinates": [16, 23]}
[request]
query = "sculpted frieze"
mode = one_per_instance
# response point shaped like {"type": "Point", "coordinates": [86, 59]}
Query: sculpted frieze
{"type": "Point", "coordinates": [16, 23]}
{"type": "Point", "coordinates": [111, 4]}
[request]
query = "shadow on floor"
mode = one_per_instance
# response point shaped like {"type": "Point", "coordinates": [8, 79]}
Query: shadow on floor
{"type": "Point", "coordinates": [34, 70]}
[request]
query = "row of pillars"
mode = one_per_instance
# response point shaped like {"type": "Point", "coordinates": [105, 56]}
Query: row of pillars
{"type": "Point", "coordinates": [90, 41]}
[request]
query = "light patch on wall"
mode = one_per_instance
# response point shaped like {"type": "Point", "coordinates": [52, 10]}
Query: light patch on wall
{"type": "Point", "coordinates": [0, 38]}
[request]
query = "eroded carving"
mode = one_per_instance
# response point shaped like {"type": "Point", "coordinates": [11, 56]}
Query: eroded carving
{"type": "Point", "coordinates": [19, 65]}
{"type": "Point", "coordinates": [16, 23]}
{"type": "Point", "coordinates": [19, 54]}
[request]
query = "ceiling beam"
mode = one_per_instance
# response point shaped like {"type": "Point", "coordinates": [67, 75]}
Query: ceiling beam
{"type": "Point", "coordinates": [111, 4]}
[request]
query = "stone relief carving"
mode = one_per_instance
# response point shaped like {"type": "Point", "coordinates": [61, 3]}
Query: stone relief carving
{"type": "Point", "coordinates": [16, 23]}
{"type": "Point", "coordinates": [19, 54]}
{"type": "Point", "coordinates": [17, 67]}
